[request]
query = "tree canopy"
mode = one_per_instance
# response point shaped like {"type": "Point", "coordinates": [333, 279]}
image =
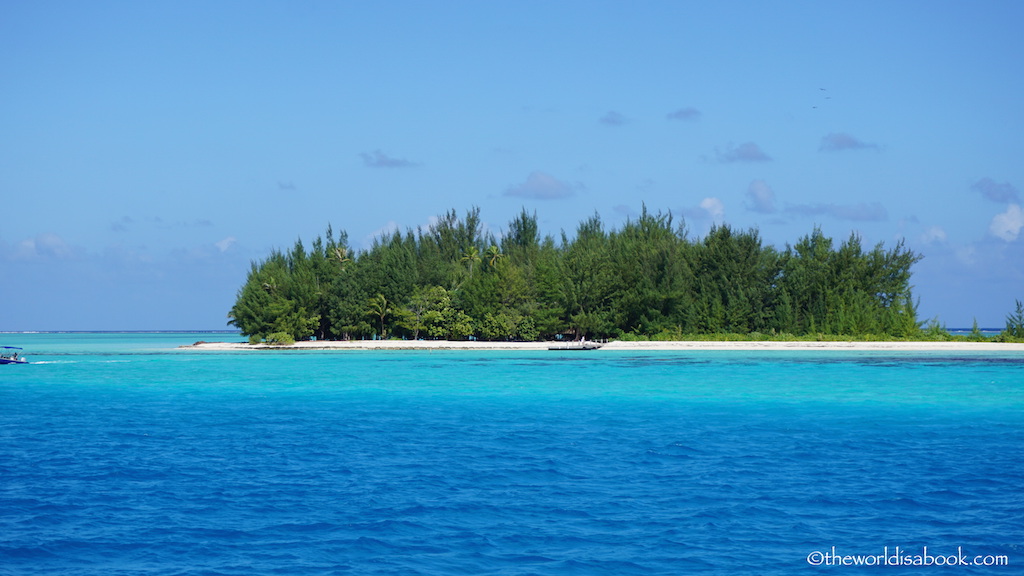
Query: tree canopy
{"type": "Point", "coordinates": [645, 279]}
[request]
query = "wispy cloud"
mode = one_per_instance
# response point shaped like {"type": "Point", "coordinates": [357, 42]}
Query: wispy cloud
{"type": "Point", "coordinates": [613, 118]}
{"type": "Point", "coordinates": [226, 244]}
{"type": "Point", "coordinates": [378, 159]}
{"type": "Point", "coordinates": [624, 210]}
{"type": "Point", "coordinates": [380, 233]}
{"type": "Point", "coordinates": [863, 212]}
{"type": "Point", "coordinates": [542, 186]}
{"type": "Point", "coordinates": [839, 141]}
{"type": "Point", "coordinates": [122, 224]}
{"type": "Point", "coordinates": [996, 192]}
{"type": "Point", "coordinates": [760, 198]}
{"type": "Point", "coordinates": [128, 223]}
{"type": "Point", "coordinates": [1007, 225]}
{"type": "Point", "coordinates": [46, 246]}
{"type": "Point", "coordinates": [685, 114]}
{"type": "Point", "coordinates": [934, 235]}
{"type": "Point", "coordinates": [746, 152]}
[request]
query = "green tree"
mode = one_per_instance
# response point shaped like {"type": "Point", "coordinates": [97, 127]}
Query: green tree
{"type": "Point", "coordinates": [646, 278]}
{"type": "Point", "coordinates": [493, 254]}
{"type": "Point", "coordinates": [470, 257]}
{"type": "Point", "coordinates": [521, 243]}
{"type": "Point", "coordinates": [415, 316]}
{"type": "Point", "coordinates": [737, 281]}
{"type": "Point", "coordinates": [444, 320]}
{"type": "Point", "coordinates": [443, 245]}
{"type": "Point", "coordinates": [261, 297]}
{"type": "Point", "coordinates": [347, 302]}
{"type": "Point", "coordinates": [379, 308]}
{"type": "Point", "coordinates": [806, 278]}
{"type": "Point", "coordinates": [976, 334]}
{"type": "Point", "coordinates": [587, 282]}
{"type": "Point", "coordinates": [293, 320]}
{"type": "Point", "coordinates": [1015, 322]}
{"type": "Point", "coordinates": [650, 263]}
{"type": "Point", "coordinates": [545, 282]}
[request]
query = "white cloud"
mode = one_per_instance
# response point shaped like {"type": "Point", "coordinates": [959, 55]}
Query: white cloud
{"type": "Point", "coordinates": [714, 208]}
{"type": "Point", "coordinates": [934, 234]}
{"type": "Point", "coordinates": [1007, 225]}
{"type": "Point", "coordinates": [386, 230]}
{"type": "Point", "coordinates": [542, 186]}
{"type": "Point", "coordinates": [760, 197]}
{"type": "Point", "coordinates": [966, 255]}
{"type": "Point", "coordinates": [225, 244]}
{"type": "Point", "coordinates": [44, 245]}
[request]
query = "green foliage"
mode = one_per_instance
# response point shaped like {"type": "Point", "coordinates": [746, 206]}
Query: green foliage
{"type": "Point", "coordinates": [290, 292]}
{"type": "Point", "coordinates": [976, 334]}
{"type": "Point", "coordinates": [446, 321]}
{"type": "Point", "coordinates": [413, 317]}
{"type": "Point", "coordinates": [587, 283]}
{"type": "Point", "coordinates": [1015, 325]}
{"type": "Point", "coordinates": [1015, 322]}
{"type": "Point", "coordinates": [379, 309]}
{"type": "Point", "coordinates": [935, 331]}
{"type": "Point", "coordinates": [651, 267]}
{"type": "Point", "coordinates": [647, 279]}
{"type": "Point", "coordinates": [280, 339]}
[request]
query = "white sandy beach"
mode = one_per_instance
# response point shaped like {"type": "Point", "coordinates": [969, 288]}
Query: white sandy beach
{"type": "Point", "coordinates": [619, 346]}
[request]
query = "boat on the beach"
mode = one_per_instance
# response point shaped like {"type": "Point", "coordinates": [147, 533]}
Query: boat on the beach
{"type": "Point", "coordinates": [10, 355]}
{"type": "Point", "coordinates": [576, 345]}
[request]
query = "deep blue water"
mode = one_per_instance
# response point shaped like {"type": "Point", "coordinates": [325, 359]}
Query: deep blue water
{"type": "Point", "coordinates": [120, 454]}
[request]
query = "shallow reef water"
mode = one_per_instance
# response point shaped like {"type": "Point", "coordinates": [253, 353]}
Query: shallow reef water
{"type": "Point", "coordinates": [121, 454]}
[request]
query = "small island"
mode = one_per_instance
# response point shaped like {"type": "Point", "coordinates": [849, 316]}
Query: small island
{"type": "Point", "coordinates": [645, 282]}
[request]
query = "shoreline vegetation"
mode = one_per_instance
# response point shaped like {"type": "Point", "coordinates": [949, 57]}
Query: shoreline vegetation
{"type": "Point", "coordinates": [619, 345]}
{"type": "Point", "coordinates": [644, 283]}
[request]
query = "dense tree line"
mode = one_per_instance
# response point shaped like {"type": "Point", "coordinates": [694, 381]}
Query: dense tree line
{"type": "Point", "coordinates": [645, 279]}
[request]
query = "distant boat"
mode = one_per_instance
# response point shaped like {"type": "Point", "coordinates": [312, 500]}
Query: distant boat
{"type": "Point", "coordinates": [10, 355]}
{"type": "Point", "coordinates": [576, 345]}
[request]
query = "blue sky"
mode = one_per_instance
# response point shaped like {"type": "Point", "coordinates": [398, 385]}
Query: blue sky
{"type": "Point", "coordinates": [150, 150]}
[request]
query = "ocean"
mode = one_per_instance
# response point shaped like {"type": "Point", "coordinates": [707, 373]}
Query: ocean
{"type": "Point", "coordinates": [121, 454]}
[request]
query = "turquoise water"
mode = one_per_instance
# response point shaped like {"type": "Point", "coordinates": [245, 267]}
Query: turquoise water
{"type": "Point", "coordinates": [120, 454]}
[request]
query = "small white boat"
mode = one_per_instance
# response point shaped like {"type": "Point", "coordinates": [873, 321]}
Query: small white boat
{"type": "Point", "coordinates": [10, 355]}
{"type": "Point", "coordinates": [576, 345]}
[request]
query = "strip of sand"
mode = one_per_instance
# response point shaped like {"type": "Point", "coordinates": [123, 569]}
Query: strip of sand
{"type": "Point", "coordinates": [620, 346]}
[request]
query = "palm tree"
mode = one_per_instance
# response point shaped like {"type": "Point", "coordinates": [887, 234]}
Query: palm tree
{"type": "Point", "coordinates": [493, 254]}
{"type": "Point", "coordinates": [379, 307]}
{"type": "Point", "coordinates": [341, 257]}
{"type": "Point", "coordinates": [471, 256]}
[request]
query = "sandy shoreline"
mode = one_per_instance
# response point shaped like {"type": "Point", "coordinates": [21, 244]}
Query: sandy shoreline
{"type": "Point", "coordinates": [619, 346]}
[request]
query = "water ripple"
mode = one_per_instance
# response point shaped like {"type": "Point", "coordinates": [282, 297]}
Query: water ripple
{"type": "Point", "coordinates": [659, 464]}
